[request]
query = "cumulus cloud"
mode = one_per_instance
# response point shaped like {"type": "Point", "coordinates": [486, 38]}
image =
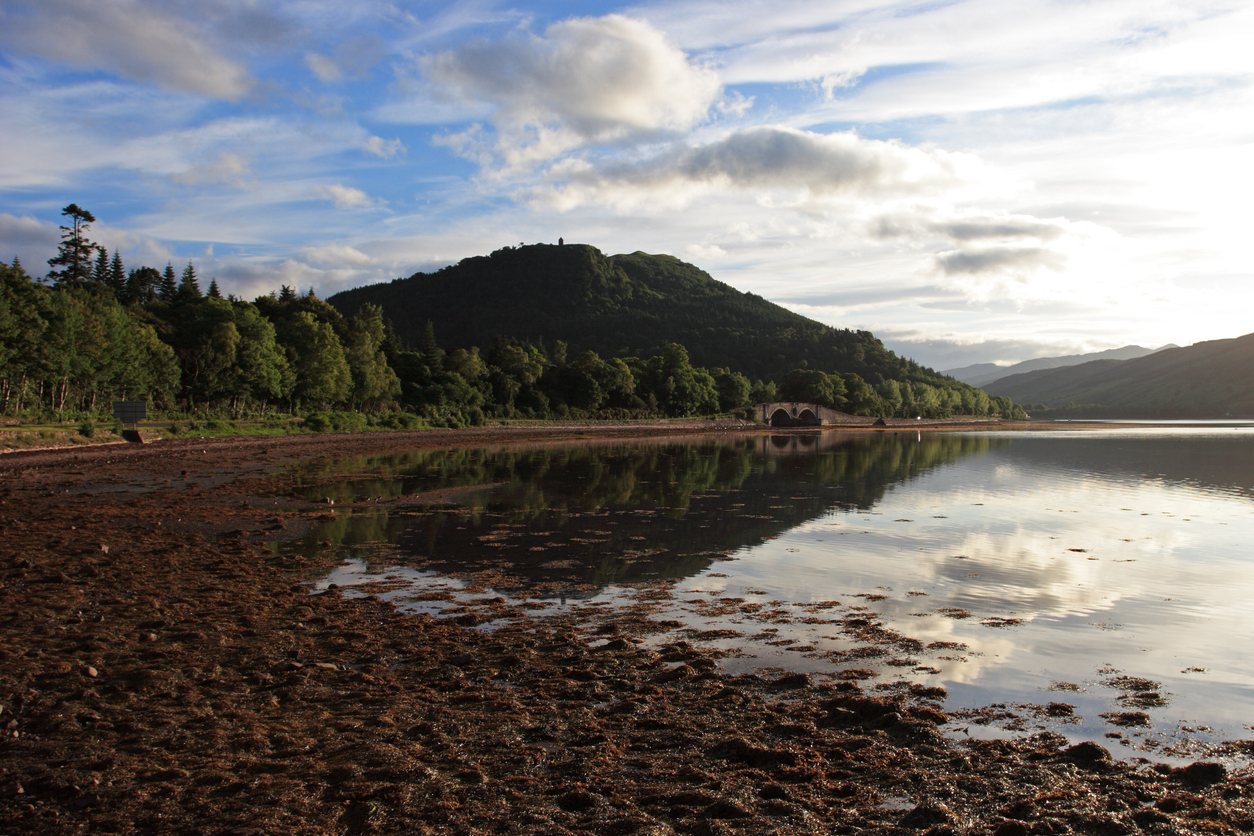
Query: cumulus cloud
{"type": "Point", "coordinates": [772, 158]}
{"type": "Point", "coordinates": [19, 233]}
{"type": "Point", "coordinates": [585, 80]}
{"type": "Point", "coordinates": [345, 197]}
{"type": "Point", "coordinates": [136, 40]}
{"type": "Point", "coordinates": [387, 149]}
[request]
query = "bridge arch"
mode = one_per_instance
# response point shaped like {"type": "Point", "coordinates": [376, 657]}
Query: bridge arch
{"type": "Point", "coordinates": [781, 418]}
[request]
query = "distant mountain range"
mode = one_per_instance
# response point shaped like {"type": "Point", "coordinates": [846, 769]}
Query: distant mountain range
{"type": "Point", "coordinates": [620, 306]}
{"type": "Point", "coordinates": [983, 374]}
{"type": "Point", "coordinates": [1210, 379]}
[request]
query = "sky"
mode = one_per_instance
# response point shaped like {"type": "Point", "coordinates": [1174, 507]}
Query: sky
{"type": "Point", "coordinates": [971, 180]}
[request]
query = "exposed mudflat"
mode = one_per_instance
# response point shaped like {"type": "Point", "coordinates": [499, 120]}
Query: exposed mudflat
{"type": "Point", "coordinates": [162, 671]}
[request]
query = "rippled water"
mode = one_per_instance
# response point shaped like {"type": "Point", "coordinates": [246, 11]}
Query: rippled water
{"type": "Point", "coordinates": [1081, 567]}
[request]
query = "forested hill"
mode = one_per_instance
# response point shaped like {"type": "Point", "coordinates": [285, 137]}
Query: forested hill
{"type": "Point", "coordinates": [619, 306]}
{"type": "Point", "coordinates": [1211, 379]}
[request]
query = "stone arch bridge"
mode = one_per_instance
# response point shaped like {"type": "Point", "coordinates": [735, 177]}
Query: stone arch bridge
{"type": "Point", "coordinates": [795, 414]}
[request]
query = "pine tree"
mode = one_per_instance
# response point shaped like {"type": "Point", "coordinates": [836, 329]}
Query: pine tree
{"type": "Point", "coordinates": [100, 273]}
{"type": "Point", "coordinates": [431, 349]}
{"type": "Point", "coordinates": [17, 267]}
{"type": "Point", "coordinates": [189, 288]}
{"type": "Point", "coordinates": [74, 253]}
{"type": "Point", "coordinates": [286, 295]}
{"type": "Point", "coordinates": [117, 278]}
{"type": "Point", "coordinates": [214, 293]}
{"type": "Point", "coordinates": [169, 284]}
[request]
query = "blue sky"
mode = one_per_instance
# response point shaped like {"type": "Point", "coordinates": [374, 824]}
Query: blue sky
{"type": "Point", "coordinates": [972, 180]}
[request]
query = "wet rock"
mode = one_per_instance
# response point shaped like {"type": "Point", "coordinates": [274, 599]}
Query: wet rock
{"type": "Point", "coordinates": [791, 682]}
{"type": "Point", "coordinates": [1201, 774]}
{"type": "Point", "coordinates": [931, 715]}
{"type": "Point", "coordinates": [1127, 718]}
{"type": "Point", "coordinates": [927, 814]}
{"type": "Point", "coordinates": [674, 674]}
{"type": "Point", "coordinates": [1087, 755]}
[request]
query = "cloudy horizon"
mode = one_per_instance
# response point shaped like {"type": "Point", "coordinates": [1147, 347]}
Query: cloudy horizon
{"type": "Point", "coordinates": [972, 181]}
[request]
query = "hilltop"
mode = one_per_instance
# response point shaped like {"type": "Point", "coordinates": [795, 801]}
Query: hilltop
{"type": "Point", "coordinates": [985, 374]}
{"type": "Point", "coordinates": [619, 306]}
{"type": "Point", "coordinates": [1210, 379]}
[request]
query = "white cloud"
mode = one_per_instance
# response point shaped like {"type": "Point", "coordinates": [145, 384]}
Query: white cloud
{"type": "Point", "coordinates": [388, 149]}
{"type": "Point", "coordinates": [26, 231]}
{"type": "Point", "coordinates": [769, 158]}
{"type": "Point", "coordinates": [323, 67]}
{"type": "Point", "coordinates": [230, 169]}
{"type": "Point", "coordinates": [133, 39]}
{"type": "Point", "coordinates": [345, 197]}
{"type": "Point", "coordinates": [586, 80]}
{"type": "Point", "coordinates": [337, 255]}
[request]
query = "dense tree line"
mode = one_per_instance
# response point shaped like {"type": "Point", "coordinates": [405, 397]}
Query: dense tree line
{"type": "Point", "coordinates": [90, 332]}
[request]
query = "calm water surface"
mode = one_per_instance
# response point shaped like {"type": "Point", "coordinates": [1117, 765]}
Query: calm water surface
{"type": "Point", "coordinates": [1027, 568]}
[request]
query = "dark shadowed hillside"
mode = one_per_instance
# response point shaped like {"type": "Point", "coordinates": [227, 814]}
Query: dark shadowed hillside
{"type": "Point", "coordinates": [1206, 380]}
{"type": "Point", "coordinates": [623, 305]}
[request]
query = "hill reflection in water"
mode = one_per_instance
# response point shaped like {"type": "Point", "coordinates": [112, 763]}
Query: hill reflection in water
{"type": "Point", "coordinates": [1024, 568]}
{"type": "Point", "coordinates": [569, 519]}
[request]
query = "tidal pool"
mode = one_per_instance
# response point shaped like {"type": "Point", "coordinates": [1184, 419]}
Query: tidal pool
{"type": "Point", "coordinates": [1108, 572]}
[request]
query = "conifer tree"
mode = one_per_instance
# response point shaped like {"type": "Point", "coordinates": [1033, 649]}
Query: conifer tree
{"type": "Point", "coordinates": [100, 273]}
{"type": "Point", "coordinates": [169, 284]}
{"type": "Point", "coordinates": [214, 293]}
{"type": "Point", "coordinates": [286, 295]}
{"type": "Point", "coordinates": [117, 278]}
{"type": "Point", "coordinates": [189, 288]}
{"type": "Point", "coordinates": [431, 349]}
{"type": "Point", "coordinates": [74, 253]}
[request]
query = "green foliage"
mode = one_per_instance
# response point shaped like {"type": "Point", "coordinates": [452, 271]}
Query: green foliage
{"type": "Point", "coordinates": [813, 386]}
{"type": "Point", "coordinates": [340, 422]}
{"type": "Point", "coordinates": [71, 267]}
{"type": "Point", "coordinates": [98, 336]}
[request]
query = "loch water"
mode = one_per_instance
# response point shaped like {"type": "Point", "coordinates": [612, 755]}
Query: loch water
{"type": "Point", "coordinates": [1109, 570]}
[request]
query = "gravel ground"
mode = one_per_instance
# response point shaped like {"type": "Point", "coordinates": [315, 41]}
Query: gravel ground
{"type": "Point", "coordinates": [162, 671]}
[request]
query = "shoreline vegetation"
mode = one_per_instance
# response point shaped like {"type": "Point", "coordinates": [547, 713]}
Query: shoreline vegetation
{"type": "Point", "coordinates": [90, 333]}
{"type": "Point", "coordinates": [164, 670]}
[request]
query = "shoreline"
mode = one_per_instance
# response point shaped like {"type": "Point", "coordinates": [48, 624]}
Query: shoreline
{"type": "Point", "coordinates": [163, 671]}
